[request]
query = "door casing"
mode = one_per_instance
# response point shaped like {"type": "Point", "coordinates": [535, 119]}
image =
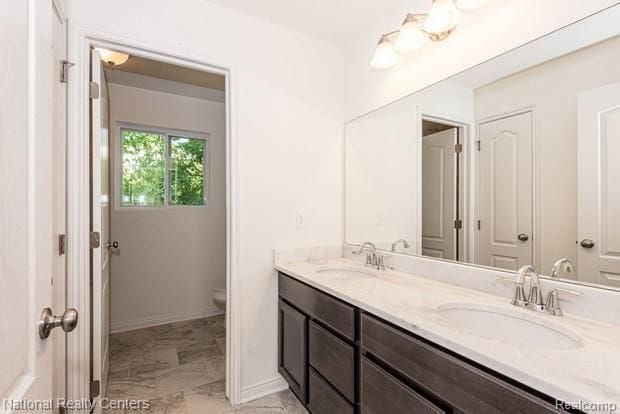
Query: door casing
{"type": "Point", "coordinates": [466, 187]}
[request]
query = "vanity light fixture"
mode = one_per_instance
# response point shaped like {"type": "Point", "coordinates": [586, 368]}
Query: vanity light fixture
{"type": "Point", "coordinates": [385, 54]}
{"type": "Point", "coordinates": [418, 28]}
{"type": "Point", "coordinates": [410, 37]}
{"type": "Point", "coordinates": [442, 18]}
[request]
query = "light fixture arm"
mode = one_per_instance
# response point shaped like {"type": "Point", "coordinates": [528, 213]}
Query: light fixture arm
{"type": "Point", "coordinates": [436, 25]}
{"type": "Point", "coordinates": [418, 18]}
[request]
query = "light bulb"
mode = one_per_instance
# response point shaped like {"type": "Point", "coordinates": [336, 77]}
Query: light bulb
{"type": "Point", "coordinates": [410, 36]}
{"type": "Point", "coordinates": [443, 17]}
{"type": "Point", "coordinates": [385, 55]}
{"type": "Point", "coordinates": [113, 58]}
{"type": "Point", "coordinates": [471, 4]}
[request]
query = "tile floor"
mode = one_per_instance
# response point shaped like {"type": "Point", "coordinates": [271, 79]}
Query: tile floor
{"type": "Point", "coordinates": [180, 369]}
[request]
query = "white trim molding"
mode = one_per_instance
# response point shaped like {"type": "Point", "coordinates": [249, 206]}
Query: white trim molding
{"type": "Point", "coordinates": [163, 319]}
{"type": "Point", "coordinates": [264, 388]}
{"type": "Point", "coordinates": [81, 39]}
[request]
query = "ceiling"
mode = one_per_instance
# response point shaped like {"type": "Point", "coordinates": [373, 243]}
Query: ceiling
{"type": "Point", "coordinates": [155, 69]}
{"type": "Point", "coordinates": [336, 21]}
{"type": "Point", "coordinates": [432, 127]}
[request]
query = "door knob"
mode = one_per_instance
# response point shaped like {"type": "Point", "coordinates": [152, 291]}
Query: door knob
{"type": "Point", "coordinates": [68, 321]}
{"type": "Point", "coordinates": [523, 237]}
{"type": "Point", "coordinates": [112, 245]}
{"type": "Point", "coordinates": [587, 243]}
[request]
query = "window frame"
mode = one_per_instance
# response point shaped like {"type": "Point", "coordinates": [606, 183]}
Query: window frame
{"type": "Point", "coordinates": [168, 133]}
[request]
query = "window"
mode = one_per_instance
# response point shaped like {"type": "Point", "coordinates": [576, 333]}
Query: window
{"type": "Point", "coordinates": [161, 169]}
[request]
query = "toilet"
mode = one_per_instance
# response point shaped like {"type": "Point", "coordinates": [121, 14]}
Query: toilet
{"type": "Point", "coordinates": [219, 298]}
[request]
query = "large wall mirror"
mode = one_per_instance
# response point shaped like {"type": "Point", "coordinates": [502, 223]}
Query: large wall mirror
{"type": "Point", "coordinates": [513, 162]}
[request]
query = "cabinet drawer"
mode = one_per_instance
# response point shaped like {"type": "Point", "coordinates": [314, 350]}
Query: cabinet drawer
{"type": "Point", "coordinates": [382, 393]}
{"type": "Point", "coordinates": [452, 380]}
{"type": "Point", "coordinates": [323, 399]}
{"type": "Point", "coordinates": [334, 359]}
{"type": "Point", "coordinates": [337, 314]}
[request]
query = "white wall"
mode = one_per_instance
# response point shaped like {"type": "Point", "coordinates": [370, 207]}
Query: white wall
{"type": "Point", "coordinates": [552, 89]}
{"type": "Point", "coordinates": [170, 259]}
{"type": "Point", "coordinates": [289, 105]}
{"type": "Point", "coordinates": [382, 157]}
{"type": "Point", "coordinates": [482, 34]}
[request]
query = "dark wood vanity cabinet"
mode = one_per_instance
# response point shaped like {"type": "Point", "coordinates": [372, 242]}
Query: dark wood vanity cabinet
{"type": "Point", "coordinates": [329, 347]}
{"type": "Point", "coordinates": [339, 359]}
{"type": "Point", "coordinates": [292, 354]}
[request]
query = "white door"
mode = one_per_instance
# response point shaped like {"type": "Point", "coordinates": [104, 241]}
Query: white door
{"type": "Point", "coordinates": [28, 274]}
{"type": "Point", "coordinates": [599, 186]}
{"type": "Point", "coordinates": [439, 194]}
{"type": "Point", "coordinates": [59, 191]}
{"type": "Point", "coordinates": [100, 222]}
{"type": "Point", "coordinates": [505, 199]}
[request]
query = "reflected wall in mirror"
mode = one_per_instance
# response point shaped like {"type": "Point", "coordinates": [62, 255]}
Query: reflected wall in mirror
{"type": "Point", "coordinates": [510, 163]}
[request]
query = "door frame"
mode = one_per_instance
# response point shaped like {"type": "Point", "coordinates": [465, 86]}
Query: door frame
{"type": "Point", "coordinates": [78, 198]}
{"type": "Point", "coordinates": [536, 190]}
{"type": "Point", "coordinates": [60, 364]}
{"type": "Point", "coordinates": [466, 185]}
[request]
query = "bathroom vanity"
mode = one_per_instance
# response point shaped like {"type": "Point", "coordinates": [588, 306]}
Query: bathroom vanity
{"type": "Point", "coordinates": [340, 359]}
{"type": "Point", "coordinates": [353, 339]}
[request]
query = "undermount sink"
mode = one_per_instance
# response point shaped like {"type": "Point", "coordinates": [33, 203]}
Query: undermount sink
{"type": "Point", "coordinates": [346, 272]}
{"type": "Point", "coordinates": [510, 327]}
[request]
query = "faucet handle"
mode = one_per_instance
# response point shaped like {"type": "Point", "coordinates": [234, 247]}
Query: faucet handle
{"type": "Point", "coordinates": [519, 298]}
{"type": "Point", "coordinates": [553, 300]}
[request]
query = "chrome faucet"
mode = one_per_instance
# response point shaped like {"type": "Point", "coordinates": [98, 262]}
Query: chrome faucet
{"type": "Point", "coordinates": [519, 298]}
{"type": "Point", "coordinates": [372, 259]}
{"type": "Point", "coordinates": [397, 242]}
{"type": "Point", "coordinates": [534, 300]}
{"type": "Point", "coordinates": [562, 265]}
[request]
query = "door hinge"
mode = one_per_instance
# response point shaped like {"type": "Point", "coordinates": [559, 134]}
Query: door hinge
{"type": "Point", "coordinates": [93, 92]}
{"type": "Point", "coordinates": [95, 239]}
{"type": "Point", "coordinates": [478, 224]}
{"type": "Point", "coordinates": [64, 70]}
{"type": "Point", "coordinates": [458, 224]}
{"type": "Point", "coordinates": [95, 388]}
{"type": "Point", "coordinates": [458, 148]}
{"type": "Point", "coordinates": [478, 145]}
{"type": "Point", "coordinates": [62, 244]}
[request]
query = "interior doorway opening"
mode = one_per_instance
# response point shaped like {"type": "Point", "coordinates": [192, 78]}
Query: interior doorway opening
{"type": "Point", "coordinates": [443, 220]}
{"type": "Point", "coordinates": [159, 216]}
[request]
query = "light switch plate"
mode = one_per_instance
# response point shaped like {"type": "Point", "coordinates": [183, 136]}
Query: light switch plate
{"type": "Point", "coordinates": [380, 219]}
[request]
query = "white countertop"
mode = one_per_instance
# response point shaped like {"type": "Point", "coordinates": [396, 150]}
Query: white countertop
{"type": "Point", "coordinates": [590, 374]}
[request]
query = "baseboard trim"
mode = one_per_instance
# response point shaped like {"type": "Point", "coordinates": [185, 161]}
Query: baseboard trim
{"type": "Point", "coordinates": [163, 319]}
{"type": "Point", "coordinates": [264, 388]}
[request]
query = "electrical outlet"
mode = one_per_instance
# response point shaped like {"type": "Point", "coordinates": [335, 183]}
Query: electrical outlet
{"type": "Point", "coordinates": [300, 220]}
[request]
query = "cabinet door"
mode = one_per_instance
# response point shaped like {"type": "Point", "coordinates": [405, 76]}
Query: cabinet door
{"type": "Point", "coordinates": [293, 334]}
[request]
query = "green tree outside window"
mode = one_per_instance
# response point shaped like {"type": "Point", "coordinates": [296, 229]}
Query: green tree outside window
{"type": "Point", "coordinates": [144, 166]}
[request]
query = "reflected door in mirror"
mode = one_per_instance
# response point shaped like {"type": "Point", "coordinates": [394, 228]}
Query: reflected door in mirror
{"type": "Point", "coordinates": [599, 185]}
{"type": "Point", "coordinates": [439, 195]}
{"type": "Point", "coordinates": [505, 201]}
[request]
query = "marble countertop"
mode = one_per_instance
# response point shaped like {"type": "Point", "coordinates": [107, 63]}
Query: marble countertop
{"type": "Point", "coordinates": [589, 374]}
